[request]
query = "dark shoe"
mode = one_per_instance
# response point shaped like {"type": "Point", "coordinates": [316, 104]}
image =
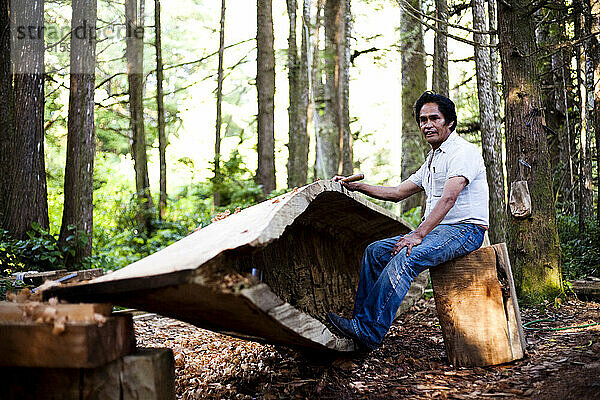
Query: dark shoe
{"type": "Point", "coordinates": [343, 327]}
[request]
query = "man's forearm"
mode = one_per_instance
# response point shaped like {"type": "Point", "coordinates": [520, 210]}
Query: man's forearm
{"type": "Point", "coordinates": [389, 193]}
{"type": "Point", "coordinates": [379, 192]}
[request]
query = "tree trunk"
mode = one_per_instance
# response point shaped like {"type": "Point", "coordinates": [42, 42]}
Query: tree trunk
{"type": "Point", "coordinates": [135, 76]}
{"type": "Point", "coordinates": [414, 83]}
{"type": "Point", "coordinates": [588, 111]}
{"type": "Point", "coordinates": [595, 6]}
{"type": "Point", "coordinates": [582, 160]}
{"type": "Point", "coordinates": [160, 108]}
{"type": "Point", "coordinates": [265, 85]}
{"type": "Point", "coordinates": [217, 177]}
{"type": "Point", "coordinates": [346, 166]}
{"type": "Point", "coordinates": [317, 98]}
{"type": "Point", "coordinates": [491, 138]}
{"type": "Point", "coordinates": [440, 50]}
{"type": "Point", "coordinates": [334, 142]}
{"type": "Point", "coordinates": [77, 216]}
{"type": "Point", "coordinates": [26, 195]}
{"type": "Point", "coordinates": [6, 108]}
{"type": "Point", "coordinates": [533, 241]}
{"type": "Point", "coordinates": [553, 72]}
{"type": "Point", "coordinates": [297, 166]}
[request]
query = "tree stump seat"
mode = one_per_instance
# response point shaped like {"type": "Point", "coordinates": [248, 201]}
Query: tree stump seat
{"type": "Point", "coordinates": [477, 308]}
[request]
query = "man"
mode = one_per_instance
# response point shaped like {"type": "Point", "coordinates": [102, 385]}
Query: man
{"type": "Point", "coordinates": [454, 223]}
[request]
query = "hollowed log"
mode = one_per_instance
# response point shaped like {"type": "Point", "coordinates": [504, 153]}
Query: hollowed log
{"type": "Point", "coordinates": [307, 245]}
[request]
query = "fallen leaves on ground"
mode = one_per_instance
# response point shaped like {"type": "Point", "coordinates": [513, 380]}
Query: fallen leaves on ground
{"type": "Point", "coordinates": [411, 364]}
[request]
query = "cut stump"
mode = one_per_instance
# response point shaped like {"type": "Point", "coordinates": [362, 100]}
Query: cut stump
{"type": "Point", "coordinates": [147, 374]}
{"type": "Point", "coordinates": [86, 344]}
{"type": "Point", "coordinates": [478, 309]}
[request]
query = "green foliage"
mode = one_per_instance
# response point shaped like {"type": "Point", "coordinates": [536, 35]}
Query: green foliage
{"type": "Point", "coordinates": [580, 253]}
{"type": "Point", "coordinates": [234, 184]}
{"type": "Point", "coordinates": [41, 251]}
{"type": "Point", "coordinates": [117, 239]}
{"type": "Point", "coordinates": [413, 216]}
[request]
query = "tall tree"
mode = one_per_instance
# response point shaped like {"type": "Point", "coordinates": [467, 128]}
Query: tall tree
{"type": "Point", "coordinates": [595, 55]}
{"type": "Point", "coordinates": [495, 64]}
{"type": "Point", "coordinates": [79, 170]}
{"type": "Point", "coordinates": [554, 73]}
{"type": "Point", "coordinates": [6, 106]}
{"type": "Point", "coordinates": [160, 108]}
{"type": "Point", "coordinates": [217, 160]}
{"type": "Point", "coordinates": [345, 165]}
{"type": "Point", "coordinates": [491, 137]}
{"type": "Point", "coordinates": [588, 100]}
{"type": "Point", "coordinates": [334, 141]}
{"type": "Point", "coordinates": [265, 85]}
{"type": "Point", "coordinates": [533, 241]}
{"type": "Point", "coordinates": [25, 175]}
{"type": "Point", "coordinates": [440, 50]}
{"type": "Point", "coordinates": [298, 69]}
{"type": "Point", "coordinates": [414, 83]}
{"type": "Point", "coordinates": [134, 53]}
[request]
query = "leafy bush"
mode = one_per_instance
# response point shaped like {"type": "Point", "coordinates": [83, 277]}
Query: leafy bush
{"type": "Point", "coordinates": [41, 251]}
{"type": "Point", "coordinates": [580, 253]}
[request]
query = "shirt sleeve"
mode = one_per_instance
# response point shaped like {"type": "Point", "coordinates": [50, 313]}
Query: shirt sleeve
{"type": "Point", "coordinates": [417, 177]}
{"type": "Point", "coordinates": [464, 163]}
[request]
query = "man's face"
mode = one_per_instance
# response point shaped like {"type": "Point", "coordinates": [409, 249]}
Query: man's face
{"type": "Point", "coordinates": [433, 125]}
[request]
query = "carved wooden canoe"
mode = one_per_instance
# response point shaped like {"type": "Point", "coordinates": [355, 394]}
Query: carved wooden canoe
{"type": "Point", "coordinates": [305, 247]}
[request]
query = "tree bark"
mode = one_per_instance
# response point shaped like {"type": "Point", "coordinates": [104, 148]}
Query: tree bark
{"type": "Point", "coordinates": [533, 241]}
{"type": "Point", "coordinates": [346, 166]}
{"type": "Point", "coordinates": [491, 138]}
{"type": "Point", "coordinates": [160, 108]}
{"type": "Point", "coordinates": [217, 160]}
{"type": "Point", "coordinates": [265, 85]}
{"type": "Point", "coordinates": [26, 195]}
{"type": "Point", "coordinates": [77, 215]}
{"type": "Point", "coordinates": [553, 72]}
{"type": "Point", "coordinates": [6, 108]}
{"type": "Point", "coordinates": [440, 50]}
{"type": "Point", "coordinates": [414, 83]}
{"type": "Point", "coordinates": [135, 76]}
{"type": "Point", "coordinates": [334, 142]}
{"type": "Point", "coordinates": [595, 7]}
{"type": "Point", "coordinates": [589, 47]}
{"type": "Point", "coordinates": [297, 166]}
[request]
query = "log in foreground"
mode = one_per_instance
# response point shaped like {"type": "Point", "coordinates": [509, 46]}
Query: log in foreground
{"type": "Point", "coordinates": [478, 310]}
{"type": "Point", "coordinates": [305, 246]}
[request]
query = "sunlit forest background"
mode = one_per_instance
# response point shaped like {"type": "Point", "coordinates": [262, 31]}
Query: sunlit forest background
{"type": "Point", "coordinates": [208, 66]}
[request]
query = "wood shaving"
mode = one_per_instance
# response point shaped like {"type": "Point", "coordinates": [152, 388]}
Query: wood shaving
{"type": "Point", "coordinates": [411, 364]}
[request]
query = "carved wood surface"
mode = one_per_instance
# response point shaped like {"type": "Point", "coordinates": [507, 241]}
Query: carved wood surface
{"type": "Point", "coordinates": [478, 310]}
{"type": "Point", "coordinates": [307, 245]}
{"type": "Point", "coordinates": [80, 345]}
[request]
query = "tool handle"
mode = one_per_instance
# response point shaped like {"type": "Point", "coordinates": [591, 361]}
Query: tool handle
{"type": "Point", "coordinates": [354, 178]}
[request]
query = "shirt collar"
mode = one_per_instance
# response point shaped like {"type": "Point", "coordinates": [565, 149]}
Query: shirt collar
{"type": "Point", "coordinates": [447, 144]}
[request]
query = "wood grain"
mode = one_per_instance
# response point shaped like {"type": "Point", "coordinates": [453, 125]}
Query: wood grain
{"type": "Point", "coordinates": [478, 313]}
{"type": "Point", "coordinates": [147, 374]}
{"type": "Point", "coordinates": [81, 345]}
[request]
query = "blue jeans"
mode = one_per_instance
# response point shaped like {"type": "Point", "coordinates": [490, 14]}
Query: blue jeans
{"type": "Point", "coordinates": [384, 280]}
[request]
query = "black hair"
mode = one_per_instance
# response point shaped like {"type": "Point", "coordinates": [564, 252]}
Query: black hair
{"type": "Point", "coordinates": [445, 105]}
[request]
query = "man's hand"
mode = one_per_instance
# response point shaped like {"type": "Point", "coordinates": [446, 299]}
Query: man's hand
{"type": "Point", "coordinates": [352, 186]}
{"type": "Point", "coordinates": [408, 241]}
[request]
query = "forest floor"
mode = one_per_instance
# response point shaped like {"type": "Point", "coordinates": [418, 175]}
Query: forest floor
{"type": "Point", "coordinates": [411, 363]}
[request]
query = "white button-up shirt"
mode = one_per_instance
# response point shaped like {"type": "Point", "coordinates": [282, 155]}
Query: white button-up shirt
{"type": "Point", "coordinates": [456, 157]}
